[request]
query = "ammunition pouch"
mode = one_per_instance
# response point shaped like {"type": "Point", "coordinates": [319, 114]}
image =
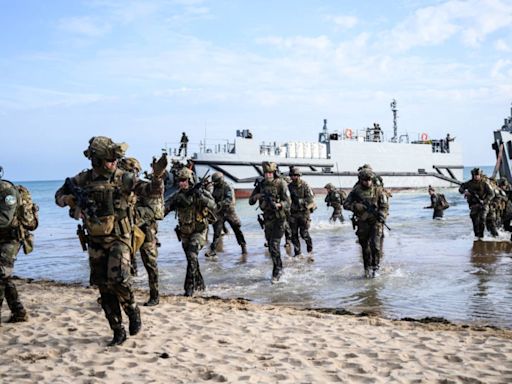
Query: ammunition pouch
{"type": "Point", "coordinates": [137, 239]}
{"type": "Point", "coordinates": [100, 226]}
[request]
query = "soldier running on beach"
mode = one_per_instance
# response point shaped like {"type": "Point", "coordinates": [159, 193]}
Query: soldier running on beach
{"type": "Point", "coordinates": [103, 198]}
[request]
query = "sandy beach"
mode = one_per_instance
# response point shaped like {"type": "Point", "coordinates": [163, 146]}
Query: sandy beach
{"type": "Point", "coordinates": [188, 340]}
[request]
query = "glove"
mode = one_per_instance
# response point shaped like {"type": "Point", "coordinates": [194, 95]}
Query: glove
{"type": "Point", "coordinates": [68, 200]}
{"type": "Point", "coordinates": [159, 166]}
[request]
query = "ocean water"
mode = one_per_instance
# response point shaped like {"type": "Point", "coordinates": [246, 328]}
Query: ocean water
{"type": "Point", "coordinates": [429, 268]}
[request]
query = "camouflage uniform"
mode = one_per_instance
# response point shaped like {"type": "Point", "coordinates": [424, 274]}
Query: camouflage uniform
{"type": "Point", "coordinates": [479, 194]}
{"type": "Point", "coordinates": [273, 198]}
{"type": "Point", "coordinates": [370, 206]}
{"type": "Point", "coordinates": [302, 203]}
{"type": "Point", "coordinates": [16, 219]}
{"type": "Point", "coordinates": [102, 197]}
{"type": "Point", "coordinates": [225, 200]}
{"type": "Point", "coordinates": [194, 207]}
{"type": "Point", "coordinates": [335, 199]}
{"type": "Point", "coordinates": [148, 209]}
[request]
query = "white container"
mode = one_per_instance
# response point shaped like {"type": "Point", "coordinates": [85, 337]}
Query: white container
{"type": "Point", "coordinates": [292, 149]}
{"type": "Point", "coordinates": [300, 150]}
{"type": "Point", "coordinates": [315, 150]}
{"type": "Point", "coordinates": [307, 150]}
{"type": "Point", "coordinates": [322, 151]}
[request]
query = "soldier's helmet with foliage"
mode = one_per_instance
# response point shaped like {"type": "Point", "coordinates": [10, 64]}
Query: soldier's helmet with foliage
{"type": "Point", "coordinates": [329, 186]}
{"type": "Point", "coordinates": [217, 177]}
{"type": "Point", "coordinates": [269, 166]}
{"type": "Point", "coordinates": [130, 164]}
{"type": "Point", "coordinates": [103, 148]}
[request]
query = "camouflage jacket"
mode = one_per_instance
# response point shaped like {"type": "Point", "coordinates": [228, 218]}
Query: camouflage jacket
{"type": "Point", "coordinates": [367, 204]}
{"type": "Point", "coordinates": [194, 210]}
{"type": "Point", "coordinates": [335, 198]}
{"type": "Point", "coordinates": [224, 197]}
{"type": "Point", "coordinates": [302, 197]}
{"type": "Point", "coordinates": [269, 193]}
{"type": "Point", "coordinates": [479, 191]}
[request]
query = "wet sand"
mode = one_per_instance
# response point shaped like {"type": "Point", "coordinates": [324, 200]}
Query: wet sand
{"type": "Point", "coordinates": [199, 339]}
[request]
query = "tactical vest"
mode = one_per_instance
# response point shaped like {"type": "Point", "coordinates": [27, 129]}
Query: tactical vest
{"type": "Point", "coordinates": [109, 207]}
{"type": "Point", "coordinates": [272, 189]}
{"type": "Point", "coordinates": [298, 192]}
{"type": "Point", "coordinates": [192, 217]}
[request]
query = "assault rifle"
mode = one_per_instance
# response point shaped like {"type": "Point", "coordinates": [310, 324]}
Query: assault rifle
{"type": "Point", "coordinates": [82, 201]}
{"type": "Point", "coordinates": [267, 197]}
{"type": "Point", "coordinates": [372, 210]}
{"type": "Point", "coordinates": [199, 185]}
{"type": "Point", "coordinates": [476, 197]}
{"type": "Point", "coordinates": [261, 221]}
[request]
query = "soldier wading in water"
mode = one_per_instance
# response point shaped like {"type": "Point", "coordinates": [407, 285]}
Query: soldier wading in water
{"type": "Point", "coordinates": [370, 206]}
{"type": "Point", "coordinates": [273, 198]}
{"type": "Point", "coordinates": [103, 198]}
{"type": "Point", "coordinates": [194, 207]}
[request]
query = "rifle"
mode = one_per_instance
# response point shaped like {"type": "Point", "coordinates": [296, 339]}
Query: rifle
{"type": "Point", "coordinates": [372, 210]}
{"type": "Point", "coordinates": [82, 201]}
{"type": "Point", "coordinates": [178, 233]}
{"type": "Point", "coordinates": [199, 185]}
{"type": "Point", "coordinates": [267, 197]}
{"type": "Point", "coordinates": [476, 197]}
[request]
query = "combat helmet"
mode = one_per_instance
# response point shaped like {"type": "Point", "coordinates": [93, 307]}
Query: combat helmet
{"type": "Point", "coordinates": [130, 164]}
{"type": "Point", "coordinates": [103, 148]}
{"type": "Point", "coordinates": [217, 177]}
{"type": "Point", "coordinates": [329, 186]}
{"type": "Point", "coordinates": [476, 171]}
{"type": "Point", "coordinates": [269, 166]}
{"type": "Point", "coordinates": [294, 171]}
{"type": "Point", "coordinates": [365, 174]}
{"type": "Point", "coordinates": [186, 174]}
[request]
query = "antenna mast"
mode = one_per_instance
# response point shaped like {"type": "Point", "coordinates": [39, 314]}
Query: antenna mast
{"type": "Point", "coordinates": [394, 139]}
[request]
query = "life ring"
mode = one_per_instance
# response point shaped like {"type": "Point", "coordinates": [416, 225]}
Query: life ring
{"type": "Point", "coordinates": [348, 133]}
{"type": "Point", "coordinates": [424, 137]}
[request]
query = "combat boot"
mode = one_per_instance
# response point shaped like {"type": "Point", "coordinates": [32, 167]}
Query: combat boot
{"type": "Point", "coordinates": [211, 254]}
{"type": "Point", "coordinates": [18, 316]}
{"type": "Point", "coordinates": [135, 321]}
{"type": "Point", "coordinates": [244, 249]}
{"type": "Point", "coordinates": [154, 299]}
{"type": "Point", "coordinates": [119, 337]}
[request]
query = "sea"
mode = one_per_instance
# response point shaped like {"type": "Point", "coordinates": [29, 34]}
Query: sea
{"type": "Point", "coordinates": [430, 269]}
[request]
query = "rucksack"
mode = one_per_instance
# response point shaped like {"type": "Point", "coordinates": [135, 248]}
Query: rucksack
{"type": "Point", "coordinates": [443, 201]}
{"type": "Point", "coordinates": [17, 207]}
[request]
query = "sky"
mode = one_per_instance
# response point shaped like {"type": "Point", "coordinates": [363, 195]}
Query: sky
{"type": "Point", "coordinates": [142, 72]}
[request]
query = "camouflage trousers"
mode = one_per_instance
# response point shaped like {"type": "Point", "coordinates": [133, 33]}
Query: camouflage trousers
{"type": "Point", "coordinates": [337, 214]}
{"type": "Point", "coordinates": [192, 244]}
{"type": "Point", "coordinates": [491, 222]}
{"type": "Point", "coordinates": [370, 235]}
{"type": "Point", "coordinates": [149, 255]}
{"type": "Point", "coordinates": [235, 223]}
{"type": "Point", "coordinates": [299, 224]}
{"type": "Point", "coordinates": [8, 253]}
{"type": "Point", "coordinates": [478, 216]}
{"type": "Point", "coordinates": [274, 231]}
{"type": "Point", "coordinates": [110, 262]}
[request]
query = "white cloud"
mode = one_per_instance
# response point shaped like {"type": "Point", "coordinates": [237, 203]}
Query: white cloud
{"type": "Point", "coordinates": [343, 21]}
{"type": "Point", "coordinates": [300, 43]}
{"type": "Point", "coordinates": [472, 20]}
{"type": "Point", "coordinates": [85, 26]}
{"type": "Point", "coordinates": [502, 46]}
{"type": "Point", "coordinates": [502, 70]}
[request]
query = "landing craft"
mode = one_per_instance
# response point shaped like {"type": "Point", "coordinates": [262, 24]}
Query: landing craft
{"type": "Point", "coordinates": [335, 158]}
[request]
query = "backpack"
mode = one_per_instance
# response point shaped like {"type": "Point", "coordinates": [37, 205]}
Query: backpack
{"type": "Point", "coordinates": [443, 202]}
{"type": "Point", "coordinates": [9, 203]}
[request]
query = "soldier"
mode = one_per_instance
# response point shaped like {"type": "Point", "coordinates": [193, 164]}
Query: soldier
{"type": "Point", "coordinates": [335, 199]}
{"type": "Point", "coordinates": [194, 207]}
{"type": "Point", "coordinates": [493, 219]}
{"type": "Point", "coordinates": [302, 204]}
{"type": "Point", "coordinates": [478, 194]}
{"type": "Point", "coordinates": [273, 199]}
{"type": "Point", "coordinates": [103, 198]}
{"type": "Point", "coordinates": [183, 144]}
{"type": "Point", "coordinates": [225, 200]}
{"type": "Point", "coordinates": [370, 206]}
{"type": "Point", "coordinates": [18, 216]}
{"type": "Point", "coordinates": [148, 209]}
{"type": "Point", "coordinates": [437, 202]}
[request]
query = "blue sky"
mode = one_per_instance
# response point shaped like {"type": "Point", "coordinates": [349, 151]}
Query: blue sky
{"type": "Point", "coordinates": [144, 71]}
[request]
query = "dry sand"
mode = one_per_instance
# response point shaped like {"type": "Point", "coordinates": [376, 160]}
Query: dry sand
{"type": "Point", "coordinates": [190, 340]}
